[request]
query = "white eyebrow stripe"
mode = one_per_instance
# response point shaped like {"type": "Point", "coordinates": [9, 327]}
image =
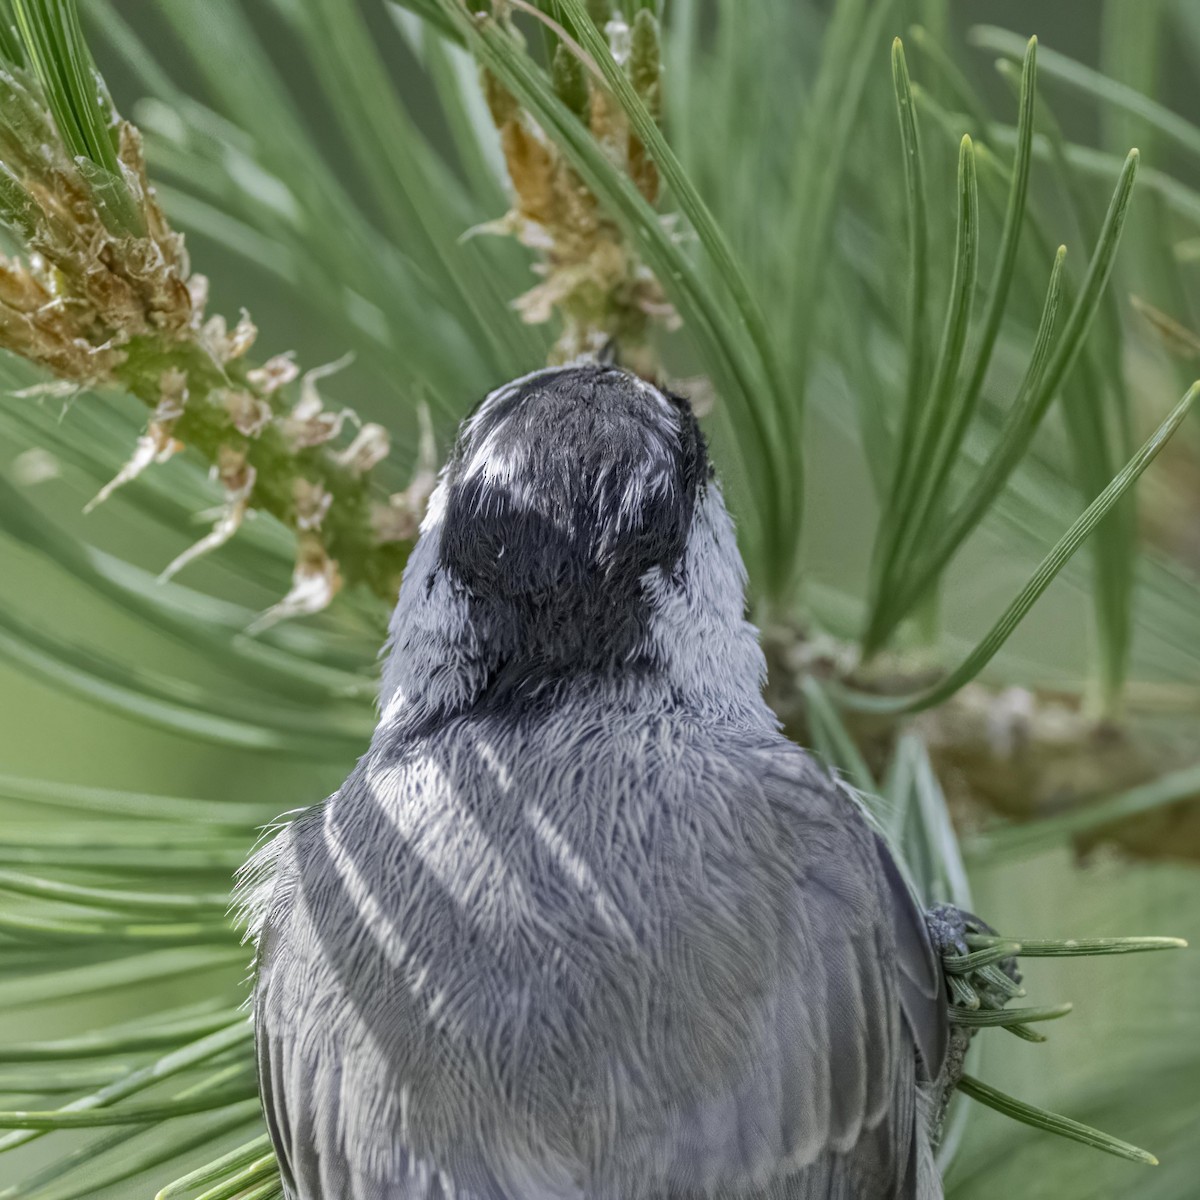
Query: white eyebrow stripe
{"type": "Point", "coordinates": [644, 386]}
{"type": "Point", "coordinates": [488, 459]}
{"type": "Point", "coordinates": [502, 393]}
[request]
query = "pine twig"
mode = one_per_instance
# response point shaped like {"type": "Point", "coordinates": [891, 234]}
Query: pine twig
{"type": "Point", "coordinates": [106, 298]}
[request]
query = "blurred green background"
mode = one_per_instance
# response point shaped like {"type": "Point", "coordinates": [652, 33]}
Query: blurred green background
{"type": "Point", "coordinates": [89, 745]}
{"type": "Point", "coordinates": [1128, 1059]}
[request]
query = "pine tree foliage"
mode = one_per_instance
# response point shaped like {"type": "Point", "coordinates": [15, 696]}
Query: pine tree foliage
{"type": "Point", "coordinates": [260, 260]}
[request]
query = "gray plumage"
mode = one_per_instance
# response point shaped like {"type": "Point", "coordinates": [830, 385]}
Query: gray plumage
{"type": "Point", "coordinates": [582, 924]}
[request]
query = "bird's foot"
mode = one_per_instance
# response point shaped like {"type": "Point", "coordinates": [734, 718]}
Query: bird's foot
{"type": "Point", "coordinates": [980, 967]}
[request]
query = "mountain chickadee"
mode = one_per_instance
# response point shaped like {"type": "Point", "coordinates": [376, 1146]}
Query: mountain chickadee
{"type": "Point", "coordinates": [582, 924]}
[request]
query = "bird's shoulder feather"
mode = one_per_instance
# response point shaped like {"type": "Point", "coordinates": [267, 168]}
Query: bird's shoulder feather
{"type": "Point", "coordinates": [673, 966]}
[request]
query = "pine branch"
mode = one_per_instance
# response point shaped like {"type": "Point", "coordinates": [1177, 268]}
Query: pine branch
{"type": "Point", "coordinates": [106, 298]}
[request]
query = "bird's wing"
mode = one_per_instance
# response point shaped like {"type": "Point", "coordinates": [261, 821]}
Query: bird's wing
{"type": "Point", "coordinates": [922, 985]}
{"type": "Point", "coordinates": [269, 1063]}
{"type": "Point", "coordinates": [830, 1100]}
{"type": "Point", "coordinates": [820, 1103]}
{"type": "Point", "coordinates": [310, 1102]}
{"type": "Point", "coordinates": [287, 1098]}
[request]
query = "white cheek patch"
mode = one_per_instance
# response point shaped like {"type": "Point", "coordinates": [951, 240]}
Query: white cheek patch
{"type": "Point", "coordinates": [698, 632]}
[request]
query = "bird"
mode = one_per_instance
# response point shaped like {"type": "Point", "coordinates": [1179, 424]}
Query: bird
{"type": "Point", "coordinates": [582, 923]}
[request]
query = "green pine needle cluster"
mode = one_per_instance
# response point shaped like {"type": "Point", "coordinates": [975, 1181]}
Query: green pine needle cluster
{"type": "Point", "coordinates": [922, 403]}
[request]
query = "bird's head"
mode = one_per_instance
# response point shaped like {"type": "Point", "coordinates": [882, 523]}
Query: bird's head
{"type": "Point", "coordinates": [564, 490]}
{"type": "Point", "coordinates": [577, 531]}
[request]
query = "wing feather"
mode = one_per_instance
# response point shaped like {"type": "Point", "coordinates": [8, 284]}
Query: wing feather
{"type": "Point", "coordinates": [922, 985]}
{"type": "Point", "coordinates": [845, 998]}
